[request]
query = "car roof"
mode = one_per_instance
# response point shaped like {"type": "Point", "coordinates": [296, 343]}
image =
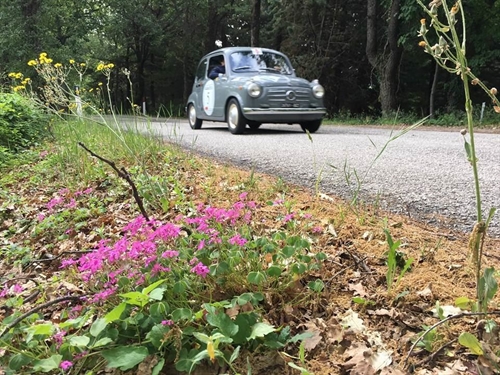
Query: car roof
{"type": "Point", "coordinates": [229, 50]}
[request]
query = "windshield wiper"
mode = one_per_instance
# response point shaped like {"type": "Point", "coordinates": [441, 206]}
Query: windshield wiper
{"type": "Point", "coordinates": [242, 68]}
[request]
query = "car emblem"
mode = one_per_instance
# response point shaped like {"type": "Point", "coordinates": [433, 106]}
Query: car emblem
{"type": "Point", "coordinates": [290, 95]}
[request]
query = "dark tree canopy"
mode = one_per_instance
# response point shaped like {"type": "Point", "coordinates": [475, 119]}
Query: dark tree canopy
{"type": "Point", "coordinates": [365, 52]}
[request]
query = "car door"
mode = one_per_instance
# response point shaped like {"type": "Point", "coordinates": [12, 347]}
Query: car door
{"type": "Point", "coordinates": [198, 87]}
{"type": "Point", "coordinates": [215, 90]}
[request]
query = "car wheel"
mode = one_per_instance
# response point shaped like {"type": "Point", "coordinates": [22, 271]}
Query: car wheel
{"type": "Point", "coordinates": [254, 125]}
{"type": "Point", "coordinates": [310, 126]}
{"type": "Point", "coordinates": [235, 120]}
{"type": "Point", "coordinates": [194, 122]}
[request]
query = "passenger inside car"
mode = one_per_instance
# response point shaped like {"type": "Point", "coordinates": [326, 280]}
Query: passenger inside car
{"type": "Point", "coordinates": [218, 69]}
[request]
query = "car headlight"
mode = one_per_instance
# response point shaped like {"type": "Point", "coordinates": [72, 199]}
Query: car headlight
{"type": "Point", "coordinates": [318, 90]}
{"type": "Point", "coordinates": [254, 90]}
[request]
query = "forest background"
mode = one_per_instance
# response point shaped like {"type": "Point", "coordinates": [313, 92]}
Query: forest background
{"type": "Point", "coordinates": [365, 52]}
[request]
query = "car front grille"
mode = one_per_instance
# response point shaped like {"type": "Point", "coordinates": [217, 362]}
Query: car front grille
{"type": "Point", "coordinates": [280, 95]}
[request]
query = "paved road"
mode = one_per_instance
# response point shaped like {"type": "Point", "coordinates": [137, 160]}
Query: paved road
{"type": "Point", "coordinates": [423, 174]}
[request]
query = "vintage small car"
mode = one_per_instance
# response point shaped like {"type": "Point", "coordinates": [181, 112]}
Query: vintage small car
{"type": "Point", "coordinates": [251, 86]}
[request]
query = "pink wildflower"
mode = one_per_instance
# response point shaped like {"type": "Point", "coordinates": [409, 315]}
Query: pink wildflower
{"type": "Point", "coordinates": [58, 338]}
{"type": "Point", "coordinates": [67, 263]}
{"type": "Point", "coordinates": [317, 229]}
{"type": "Point", "coordinates": [17, 288]}
{"type": "Point", "coordinates": [200, 269]}
{"type": "Point", "coordinates": [278, 202]}
{"type": "Point", "coordinates": [167, 322]}
{"type": "Point", "coordinates": [40, 217]}
{"type": "Point", "coordinates": [43, 154]}
{"type": "Point", "coordinates": [170, 254]}
{"type": "Point", "coordinates": [104, 295]}
{"type": "Point", "coordinates": [237, 240]}
{"type": "Point", "coordinates": [72, 203]}
{"type": "Point", "coordinates": [201, 245]}
{"type": "Point", "coordinates": [88, 191]}
{"type": "Point", "coordinates": [243, 196]}
{"type": "Point", "coordinates": [54, 202]}
{"type": "Point", "coordinates": [288, 217]}
{"type": "Point", "coordinates": [135, 225]}
{"type": "Point", "coordinates": [65, 365]}
{"type": "Point", "coordinates": [64, 191]}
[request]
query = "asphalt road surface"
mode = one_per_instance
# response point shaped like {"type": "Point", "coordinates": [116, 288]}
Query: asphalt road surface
{"type": "Point", "coordinates": [423, 174]}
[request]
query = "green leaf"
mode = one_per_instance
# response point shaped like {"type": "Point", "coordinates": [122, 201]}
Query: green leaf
{"type": "Point", "coordinates": [463, 303]}
{"type": "Point", "coordinates": [125, 357]}
{"type": "Point", "coordinates": [153, 286]}
{"type": "Point", "coordinates": [182, 314]}
{"type": "Point", "coordinates": [222, 321]}
{"type": "Point", "coordinates": [261, 329]}
{"type": "Point", "coordinates": [102, 342]}
{"type": "Point", "coordinates": [274, 271]}
{"type": "Point", "coordinates": [359, 300]}
{"type": "Point", "coordinates": [116, 313]}
{"type": "Point", "coordinates": [471, 342]}
{"type": "Point", "coordinates": [19, 360]}
{"type": "Point", "coordinates": [157, 335]}
{"type": "Point", "coordinates": [235, 354]}
{"type": "Point", "coordinates": [136, 298]}
{"type": "Point", "coordinates": [202, 337]}
{"type": "Point", "coordinates": [79, 341]}
{"type": "Point", "coordinates": [256, 277]}
{"type": "Point", "coordinates": [98, 326]}
{"type": "Point", "coordinates": [288, 251]}
{"type": "Point", "coordinates": [158, 367]}
{"type": "Point", "coordinates": [468, 151]}
{"type": "Point", "coordinates": [42, 329]}
{"type": "Point", "coordinates": [47, 365]}
{"type": "Point", "coordinates": [316, 285]}
{"type": "Point", "coordinates": [157, 294]}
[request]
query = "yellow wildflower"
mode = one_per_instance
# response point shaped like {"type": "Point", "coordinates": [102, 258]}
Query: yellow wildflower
{"type": "Point", "coordinates": [100, 67]}
{"type": "Point", "coordinates": [422, 44]}
{"type": "Point", "coordinates": [99, 84]}
{"type": "Point", "coordinates": [91, 89]}
{"type": "Point", "coordinates": [18, 76]}
{"type": "Point", "coordinates": [422, 21]}
{"type": "Point", "coordinates": [57, 65]}
{"type": "Point", "coordinates": [32, 63]}
{"type": "Point", "coordinates": [12, 75]}
{"type": "Point", "coordinates": [82, 64]}
{"type": "Point", "coordinates": [110, 66]}
{"type": "Point", "coordinates": [43, 55]}
{"type": "Point", "coordinates": [71, 61]}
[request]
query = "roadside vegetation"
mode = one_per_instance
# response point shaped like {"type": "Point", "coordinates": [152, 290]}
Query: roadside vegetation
{"type": "Point", "coordinates": [123, 253]}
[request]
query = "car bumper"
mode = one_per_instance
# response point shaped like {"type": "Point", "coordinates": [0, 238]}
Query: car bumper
{"type": "Point", "coordinates": [283, 114]}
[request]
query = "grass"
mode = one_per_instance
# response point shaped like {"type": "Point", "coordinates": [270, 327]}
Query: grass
{"type": "Point", "coordinates": [306, 257]}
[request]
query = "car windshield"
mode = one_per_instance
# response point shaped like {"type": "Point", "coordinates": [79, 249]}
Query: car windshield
{"type": "Point", "coordinates": [259, 61]}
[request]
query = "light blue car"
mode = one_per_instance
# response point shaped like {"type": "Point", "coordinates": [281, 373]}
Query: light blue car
{"type": "Point", "coordinates": [251, 86]}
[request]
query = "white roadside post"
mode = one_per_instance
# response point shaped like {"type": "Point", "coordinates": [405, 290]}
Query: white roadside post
{"type": "Point", "coordinates": [78, 101]}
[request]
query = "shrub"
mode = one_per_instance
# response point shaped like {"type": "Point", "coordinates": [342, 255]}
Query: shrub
{"type": "Point", "coordinates": [21, 123]}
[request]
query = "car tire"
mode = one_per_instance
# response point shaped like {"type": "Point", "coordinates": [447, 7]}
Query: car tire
{"type": "Point", "coordinates": [254, 125]}
{"type": "Point", "coordinates": [310, 126]}
{"type": "Point", "coordinates": [235, 120]}
{"type": "Point", "coordinates": [194, 121]}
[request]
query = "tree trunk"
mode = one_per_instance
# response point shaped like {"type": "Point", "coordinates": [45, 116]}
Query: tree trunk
{"type": "Point", "coordinates": [432, 96]}
{"type": "Point", "coordinates": [386, 62]}
{"type": "Point", "coordinates": [255, 24]}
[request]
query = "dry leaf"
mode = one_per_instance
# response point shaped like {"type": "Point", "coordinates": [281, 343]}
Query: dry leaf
{"type": "Point", "coordinates": [351, 320]}
{"type": "Point", "coordinates": [311, 342]}
{"type": "Point", "coordinates": [359, 289]}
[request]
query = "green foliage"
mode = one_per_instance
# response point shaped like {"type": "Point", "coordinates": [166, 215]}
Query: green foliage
{"type": "Point", "coordinates": [395, 261]}
{"type": "Point", "coordinates": [21, 124]}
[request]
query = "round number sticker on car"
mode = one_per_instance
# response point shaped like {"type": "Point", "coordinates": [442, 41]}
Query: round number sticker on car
{"type": "Point", "coordinates": [209, 97]}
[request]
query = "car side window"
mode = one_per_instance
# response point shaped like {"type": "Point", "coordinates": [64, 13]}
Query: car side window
{"type": "Point", "coordinates": [201, 72]}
